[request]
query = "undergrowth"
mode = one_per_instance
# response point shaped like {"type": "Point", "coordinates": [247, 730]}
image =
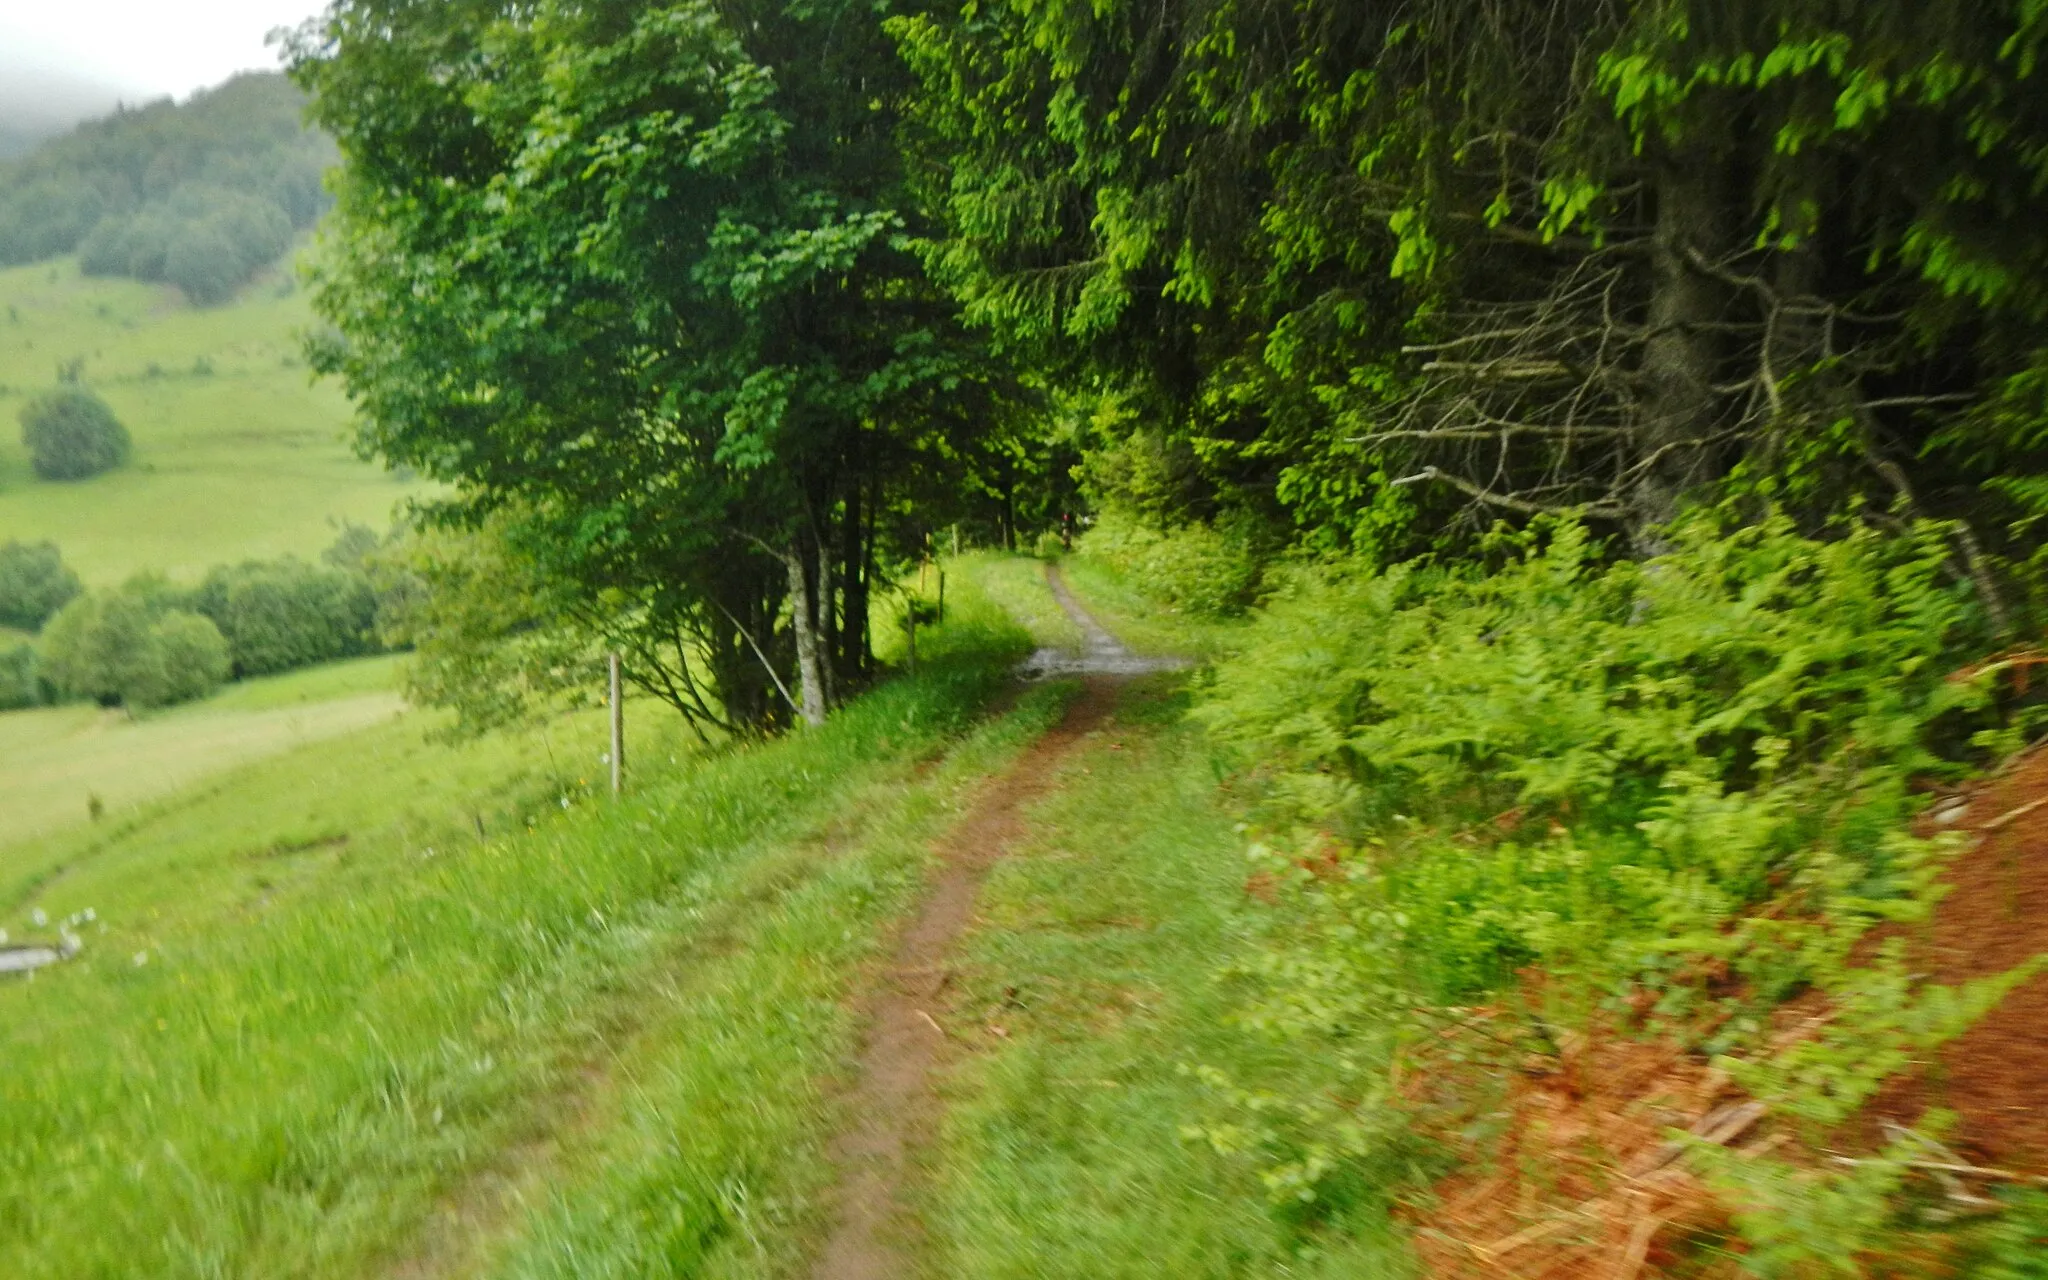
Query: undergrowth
{"type": "Point", "coordinates": [1207, 571]}
{"type": "Point", "coordinates": [1681, 790]}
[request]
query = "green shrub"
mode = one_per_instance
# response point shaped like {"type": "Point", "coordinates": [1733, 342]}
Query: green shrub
{"type": "Point", "coordinates": [34, 584]}
{"type": "Point", "coordinates": [282, 614]}
{"type": "Point", "coordinates": [1600, 770]}
{"type": "Point", "coordinates": [188, 659]}
{"type": "Point", "coordinates": [17, 677]}
{"type": "Point", "coordinates": [1197, 567]}
{"type": "Point", "coordinates": [72, 434]}
{"type": "Point", "coordinates": [98, 646]}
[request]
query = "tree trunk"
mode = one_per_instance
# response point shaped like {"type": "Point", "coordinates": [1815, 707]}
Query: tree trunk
{"type": "Point", "coordinates": [1009, 511]}
{"type": "Point", "coordinates": [1678, 408]}
{"type": "Point", "coordinates": [853, 591]}
{"type": "Point", "coordinates": [803, 623]}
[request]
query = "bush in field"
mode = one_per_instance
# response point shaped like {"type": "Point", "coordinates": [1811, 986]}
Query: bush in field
{"type": "Point", "coordinates": [1197, 567]}
{"type": "Point", "coordinates": [97, 646]}
{"type": "Point", "coordinates": [34, 584]}
{"type": "Point", "coordinates": [72, 434]}
{"type": "Point", "coordinates": [282, 614]}
{"type": "Point", "coordinates": [17, 677]}
{"type": "Point", "coordinates": [187, 659]}
{"type": "Point", "coordinates": [134, 647]}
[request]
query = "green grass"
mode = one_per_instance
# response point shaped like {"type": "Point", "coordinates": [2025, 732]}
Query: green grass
{"type": "Point", "coordinates": [319, 1025]}
{"type": "Point", "coordinates": [58, 757]}
{"type": "Point", "coordinates": [249, 460]}
{"type": "Point", "coordinates": [1093, 984]}
{"type": "Point", "coordinates": [1019, 582]}
{"type": "Point", "coordinates": [1141, 623]}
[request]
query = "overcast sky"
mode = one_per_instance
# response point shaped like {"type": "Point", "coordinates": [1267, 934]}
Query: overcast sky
{"type": "Point", "coordinates": [63, 60]}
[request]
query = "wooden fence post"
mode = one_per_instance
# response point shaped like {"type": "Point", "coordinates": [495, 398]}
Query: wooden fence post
{"type": "Point", "coordinates": [618, 727]}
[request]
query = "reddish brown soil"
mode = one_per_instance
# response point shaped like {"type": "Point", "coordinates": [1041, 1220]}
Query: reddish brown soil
{"type": "Point", "coordinates": [892, 1103]}
{"type": "Point", "coordinates": [1584, 1182]}
{"type": "Point", "coordinates": [1580, 1183]}
{"type": "Point", "coordinates": [1995, 917]}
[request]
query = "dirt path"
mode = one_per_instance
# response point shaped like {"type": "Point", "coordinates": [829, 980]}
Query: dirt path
{"type": "Point", "coordinates": [893, 1102]}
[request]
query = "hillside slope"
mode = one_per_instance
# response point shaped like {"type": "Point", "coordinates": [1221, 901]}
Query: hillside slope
{"type": "Point", "coordinates": [237, 452]}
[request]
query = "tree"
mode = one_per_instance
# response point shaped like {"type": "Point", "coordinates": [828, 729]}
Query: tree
{"type": "Point", "coordinates": [1412, 268]}
{"type": "Point", "coordinates": [34, 584]}
{"type": "Point", "coordinates": [71, 434]}
{"type": "Point", "coordinates": [187, 658]}
{"type": "Point", "coordinates": [201, 259]}
{"type": "Point", "coordinates": [280, 615]}
{"type": "Point", "coordinates": [132, 647]}
{"type": "Point", "coordinates": [491, 635]}
{"type": "Point", "coordinates": [637, 277]}
{"type": "Point", "coordinates": [17, 676]}
{"type": "Point", "coordinates": [98, 647]}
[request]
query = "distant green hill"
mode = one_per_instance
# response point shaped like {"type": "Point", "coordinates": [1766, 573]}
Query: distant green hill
{"type": "Point", "coordinates": [202, 194]}
{"type": "Point", "coordinates": [237, 454]}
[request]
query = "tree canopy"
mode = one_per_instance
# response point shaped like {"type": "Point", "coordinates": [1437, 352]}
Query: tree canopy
{"type": "Point", "coordinates": [1413, 267]}
{"type": "Point", "coordinates": [719, 305]}
{"type": "Point", "coordinates": [641, 277]}
{"type": "Point", "coordinates": [34, 583]}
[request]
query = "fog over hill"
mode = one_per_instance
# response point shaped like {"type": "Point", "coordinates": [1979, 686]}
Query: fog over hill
{"type": "Point", "coordinates": [201, 193]}
{"type": "Point", "coordinates": [38, 102]}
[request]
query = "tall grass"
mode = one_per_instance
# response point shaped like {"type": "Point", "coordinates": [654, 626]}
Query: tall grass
{"type": "Point", "coordinates": [295, 1082]}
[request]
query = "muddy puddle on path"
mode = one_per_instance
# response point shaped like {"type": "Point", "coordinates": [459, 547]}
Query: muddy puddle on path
{"type": "Point", "coordinates": [1101, 654]}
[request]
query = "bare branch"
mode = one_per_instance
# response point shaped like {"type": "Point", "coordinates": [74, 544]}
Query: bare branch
{"type": "Point", "coordinates": [1602, 510]}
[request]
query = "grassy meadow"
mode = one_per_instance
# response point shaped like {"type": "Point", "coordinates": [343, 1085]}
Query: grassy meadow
{"type": "Point", "coordinates": [57, 758]}
{"type": "Point", "coordinates": [386, 1003]}
{"type": "Point", "coordinates": [238, 454]}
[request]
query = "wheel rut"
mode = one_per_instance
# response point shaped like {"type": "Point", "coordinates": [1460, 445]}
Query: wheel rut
{"type": "Point", "coordinates": [893, 1106]}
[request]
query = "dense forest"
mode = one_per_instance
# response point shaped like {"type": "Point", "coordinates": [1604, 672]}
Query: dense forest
{"type": "Point", "coordinates": [721, 304]}
{"type": "Point", "coordinates": [1626, 418]}
{"type": "Point", "coordinates": [200, 193]}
